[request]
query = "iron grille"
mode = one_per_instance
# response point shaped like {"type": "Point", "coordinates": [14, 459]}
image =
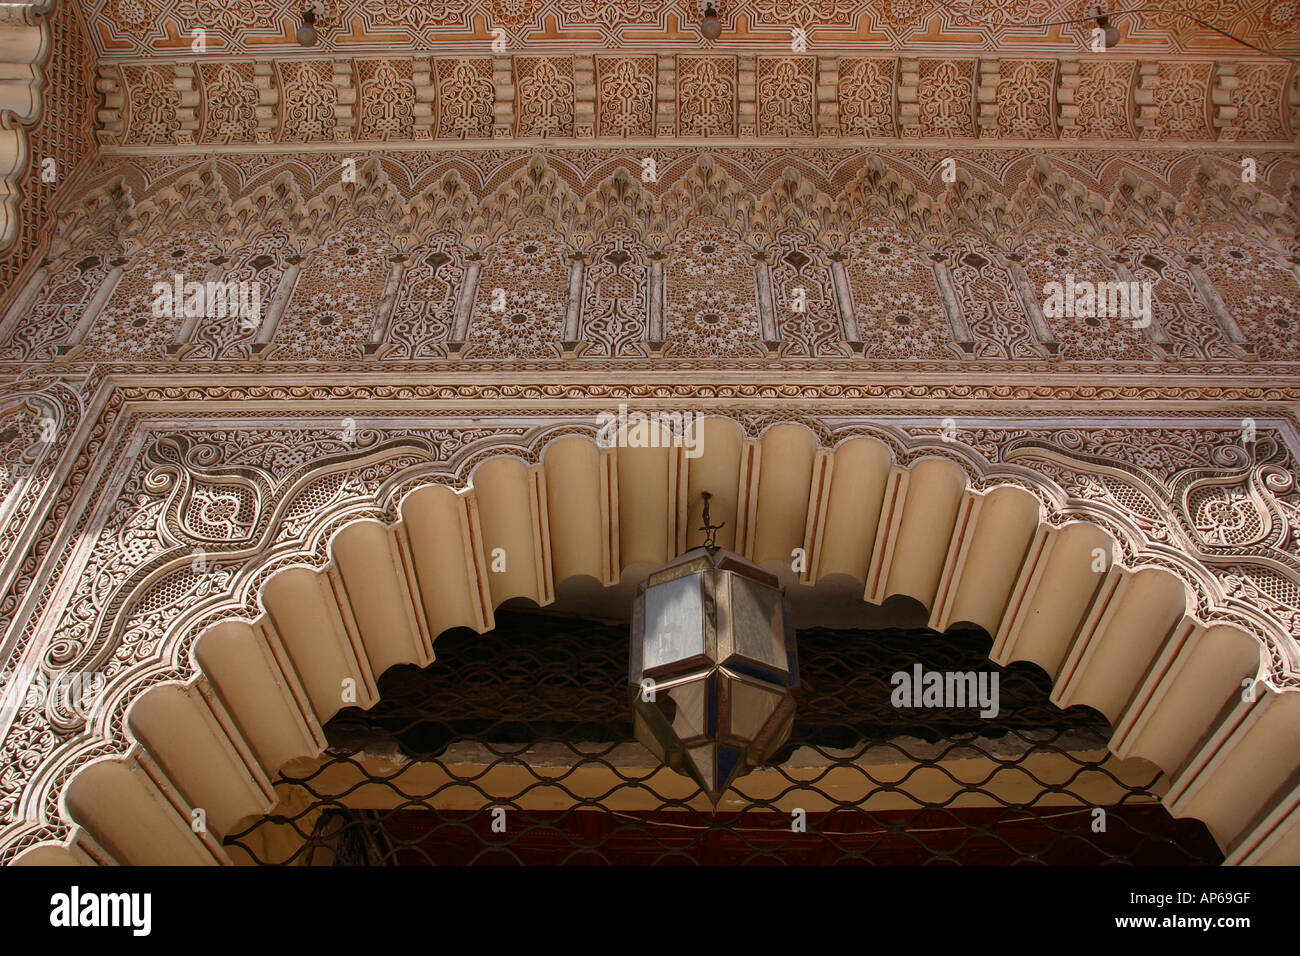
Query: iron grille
{"type": "Point", "coordinates": [533, 719]}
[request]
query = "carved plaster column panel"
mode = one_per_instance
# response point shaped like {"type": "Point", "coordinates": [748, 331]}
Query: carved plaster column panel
{"type": "Point", "coordinates": [767, 321]}
{"type": "Point", "coordinates": [268, 102]}
{"type": "Point", "coordinates": [746, 96]}
{"type": "Point", "coordinates": [385, 99]}
{"type": "Point", "coordinates": [1017, 99]}
{"type": "Point", "coordinates": [110, 116]}
{"type": "Point", "coordinates": [909, 104]}
{"type": "Point", "coordinates": [654, 334]}
{"type": "Point", "coordinates": [844, 303]}
{"type": "Point", "coordinates": [377, 340]}
{"type": "Point", "coordinates": [1214, 303]}
{"type": "Point", "coordinates": [465, 304]}
{"type": "Point", "coordinates": [187, 111]}
{"type": "Point", "coordinates": [275, 309]}
{"type": "Point", "coordinates": [345, 108]}
{"type": "Point", "coordinates": [961, 333]}
{"type": "Point", "coordinates": [867, 95]}
{"type": "Point", "coordinates": [986, 98]}
{"type": "Point", "coordinates": [786, 95]}
{"type": "Point", "coordinates": [1255, 100]}
{"type": "Point", "coordinates": [1033, 306]}
{"type": "Point", "coordinates": [424, 116]}
{"type": "Point", "coordinates": [569, 342]}
{"type": "Point", "coordinates": [310, 94]}
{"type": "Point", "coordinates": [503, 107]}
{"type": "Point", "coordinates": [584, 97]}
{"type": "Point", "coordinates": [665, 116]}
{"type": "Point", "coordinates": [75, 341]}
{"type": "Point", "coordinates": [625, 102]}
{"type": "Point", "coordinates": [828, 102]}
{"type": "Point", "coordinates": [20, 308]}
{"type": "Point", "coordinates": [1153, 330]}
{"type": "Point", "coordinates": [1174, 100]}
{"type": "Point", "coordinates": [1096, 99]}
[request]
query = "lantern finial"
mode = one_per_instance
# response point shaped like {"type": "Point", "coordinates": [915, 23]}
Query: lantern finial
{"type": "Point", "coordinates": [710, 530]}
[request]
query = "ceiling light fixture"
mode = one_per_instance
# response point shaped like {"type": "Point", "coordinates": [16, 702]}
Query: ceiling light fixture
{"type": "Point", "coordinates": [306, 34]}
{"type": "Point", "coordinates": [1109, 32]}
{"type": "Point", "coordinates": [714, 665]}
{"type": "Point", "coordinates": [710, 26]}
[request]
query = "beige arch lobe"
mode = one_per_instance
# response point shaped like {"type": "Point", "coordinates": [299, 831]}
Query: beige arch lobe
{"type": "Point", "coordinates": [448, 558]}
{"type": "Point", "coordinates": [252, 672]}
{"type": "Point", "coordinates": [930, 507]}
{"type": "Point", "coordinates": [859, 472]}
{"type": "Point", "coordinates": [579, 477]}
{"type": "Point", "coordinates": [1051, 595]}
{"type": "Point", "coordinates": [718, 471]}
{"type": "Point", "coordinates": [995, 532]}
{"type": "Point", "coordinates": [785, 478]}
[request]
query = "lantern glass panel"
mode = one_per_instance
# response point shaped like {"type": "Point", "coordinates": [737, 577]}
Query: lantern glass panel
{"type": "Point", "coordinates": [691, 718]}
{"type": "Point", "coordinates": [674, 621]}
{"type": "Point", "coordinates": [702, 757]}
{"type": "Point", "coordinates": [751, 706]}
{"type": "Point", "coordinates": [758, 623]}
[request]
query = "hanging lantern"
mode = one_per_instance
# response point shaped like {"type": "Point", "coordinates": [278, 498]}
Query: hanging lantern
{"type": "Point", "coordinates": [713, 666]}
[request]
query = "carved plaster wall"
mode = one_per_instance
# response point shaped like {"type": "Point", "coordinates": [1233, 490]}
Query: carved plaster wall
{"type": "Point", "coordinates": [188, 502]}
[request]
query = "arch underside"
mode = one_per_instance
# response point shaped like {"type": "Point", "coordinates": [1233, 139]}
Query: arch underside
{"type": "Point", "coordinates": [532, 718]}
{"type": "Point", "coordinates": [237, 567]}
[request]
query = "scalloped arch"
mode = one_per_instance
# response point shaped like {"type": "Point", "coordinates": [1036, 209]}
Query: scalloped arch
{"type": "Point", "coordinates": [926, 520]}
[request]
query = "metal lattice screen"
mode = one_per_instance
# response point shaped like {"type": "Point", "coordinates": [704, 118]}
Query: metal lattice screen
{"type": "Point", "coordinates": [516, 747]}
